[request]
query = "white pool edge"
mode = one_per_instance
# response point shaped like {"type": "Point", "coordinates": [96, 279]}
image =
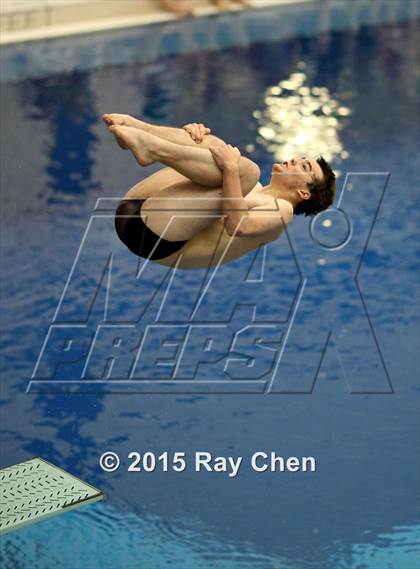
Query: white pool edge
{"type": "Point", "coordinates": [103, 23]}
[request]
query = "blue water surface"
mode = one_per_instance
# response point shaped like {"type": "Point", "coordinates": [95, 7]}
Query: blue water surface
{"type": "Point", "coordinates": [345, 388]}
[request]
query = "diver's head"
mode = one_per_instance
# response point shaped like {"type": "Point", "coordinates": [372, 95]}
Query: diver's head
{"type": "Point", "coordinates": [307, 183]}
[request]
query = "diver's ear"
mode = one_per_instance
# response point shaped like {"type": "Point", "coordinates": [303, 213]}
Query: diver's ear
{"type": "Point", "coordinates": [304, 193]}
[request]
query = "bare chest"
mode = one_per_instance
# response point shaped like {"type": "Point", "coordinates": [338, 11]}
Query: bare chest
{"type": "Point", "coordinates": [257, 198]}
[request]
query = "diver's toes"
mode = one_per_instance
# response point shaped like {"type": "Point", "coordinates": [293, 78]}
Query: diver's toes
{"type": "Point", "coordinates": [118, 132]}
{"type": "Point", "coordinates": [112, 119]}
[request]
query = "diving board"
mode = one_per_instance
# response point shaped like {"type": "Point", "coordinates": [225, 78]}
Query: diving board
{"type": "Point", "coordinates": [35, 490]}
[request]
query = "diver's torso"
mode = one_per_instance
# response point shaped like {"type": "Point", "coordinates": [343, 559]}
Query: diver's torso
{"type": "Point", "coordinates": [213, 245]}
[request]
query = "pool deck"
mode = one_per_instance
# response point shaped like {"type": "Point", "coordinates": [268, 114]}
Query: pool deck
{"type": "Point", "coordinates": [115, 40]}
{"type": "Point", "coordinates": [31, 20]}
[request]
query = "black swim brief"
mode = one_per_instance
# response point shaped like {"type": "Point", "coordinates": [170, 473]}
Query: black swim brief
{"type": "Point", "coordinates": [141, 240]}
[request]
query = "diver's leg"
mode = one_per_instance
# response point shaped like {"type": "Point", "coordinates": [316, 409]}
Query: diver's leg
{"type": "Point", "coordinates": [183, 210]}
{"type": "Point", "coordinates": [169, 133]}
{"type": "Point", "coordinates": [155, 183]}
{"type": "Point", "coordinates": [197, 164]}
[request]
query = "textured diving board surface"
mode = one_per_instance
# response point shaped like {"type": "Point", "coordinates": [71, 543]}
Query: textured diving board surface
{"type": "Point", "coordinates": [35, 490]}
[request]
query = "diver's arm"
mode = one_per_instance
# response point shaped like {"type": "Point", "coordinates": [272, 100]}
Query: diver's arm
{"type": "Point", "coordinates": [235, 207]}
{"type": "Point", "coordinates": [265, 219]}
{"type": "Point", "coordinates": [241, 221]}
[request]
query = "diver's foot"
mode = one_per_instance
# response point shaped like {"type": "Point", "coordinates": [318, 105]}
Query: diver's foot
{"type": "Point", "coordinates": [139, 142]}
{"type": "Point", "coordinates": [122, 120]}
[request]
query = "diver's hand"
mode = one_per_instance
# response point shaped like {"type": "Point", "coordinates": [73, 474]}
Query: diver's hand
{"type": "Point", "coordinates": [226, 156]}
{"type": "Point", "coordinates": [196, 131]}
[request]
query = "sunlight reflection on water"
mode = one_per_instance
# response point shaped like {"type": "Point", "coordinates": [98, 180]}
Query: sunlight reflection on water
{"type": "Point", "coordinates": [299, 120]}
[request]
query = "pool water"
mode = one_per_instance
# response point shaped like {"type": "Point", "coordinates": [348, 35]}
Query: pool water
{"type": "Point", "coordinates": [350, 94]}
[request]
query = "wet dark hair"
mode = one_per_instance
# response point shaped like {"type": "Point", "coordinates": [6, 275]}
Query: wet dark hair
{"type": "Point", "coordinates": [322, 192]}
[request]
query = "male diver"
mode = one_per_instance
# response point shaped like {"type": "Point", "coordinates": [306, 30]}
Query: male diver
{"type": "Point", "coordinates": [207, 207]}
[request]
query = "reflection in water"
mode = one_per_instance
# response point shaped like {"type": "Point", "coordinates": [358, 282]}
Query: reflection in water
{"type": "Point", "coordinates": [66, 102]}
{"type": "Point", "coordinates": [299, 120]}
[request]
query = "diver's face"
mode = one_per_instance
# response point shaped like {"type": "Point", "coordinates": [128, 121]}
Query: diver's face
{"type": "Point", "coordinates": [296, 173]}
